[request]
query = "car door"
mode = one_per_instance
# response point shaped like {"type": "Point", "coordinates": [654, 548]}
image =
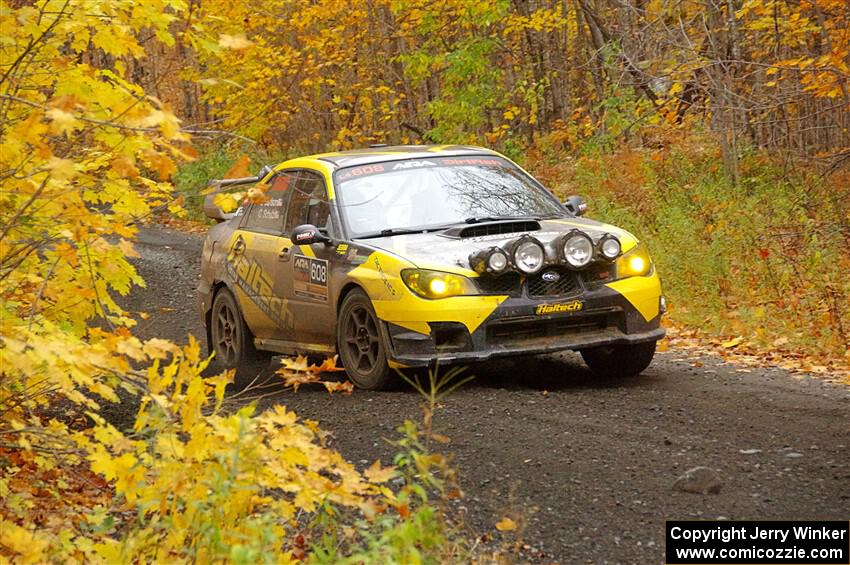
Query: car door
{"type": "Point", "coordinates": [310, 266]}
{"type": "Point", "coordinates": [255, 253]}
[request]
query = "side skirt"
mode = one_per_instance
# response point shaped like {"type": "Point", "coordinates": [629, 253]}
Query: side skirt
{"type": "Point", "coordinates": [292, 347]}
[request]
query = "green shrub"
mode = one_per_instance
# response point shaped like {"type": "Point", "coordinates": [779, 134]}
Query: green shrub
{"type": "Point", "coordinates": [191, 179]}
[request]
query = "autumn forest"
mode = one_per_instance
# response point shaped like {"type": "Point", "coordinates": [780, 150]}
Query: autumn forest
{"type": "Point", "coordinates": [719, 130]}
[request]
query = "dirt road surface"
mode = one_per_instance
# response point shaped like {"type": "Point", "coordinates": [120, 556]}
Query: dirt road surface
{"type": "Point", "coordinates": [588, 464]}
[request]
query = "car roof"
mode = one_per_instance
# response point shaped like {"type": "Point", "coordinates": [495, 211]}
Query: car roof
{"type": "Point", "coordinates": [382, 154]}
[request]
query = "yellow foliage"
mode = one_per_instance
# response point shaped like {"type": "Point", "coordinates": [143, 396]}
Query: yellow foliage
{"type": "Point", "coordinates": [85, 156]}
{"type": "Point", "coordinates": [26, 545]}
{"type": "Point", "coordinates": [378, 474]}
{"type": "Point", "coordinates": [207, 481]}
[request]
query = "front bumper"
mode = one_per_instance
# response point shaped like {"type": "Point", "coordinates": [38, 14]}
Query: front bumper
{"type": "Point", "coordinates": [517, 327]}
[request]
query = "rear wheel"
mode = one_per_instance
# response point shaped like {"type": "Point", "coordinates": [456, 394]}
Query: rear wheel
{"type": "Point", "coordinates": [619, 360]}
{"type": "Point", "coordinates": [361, 348]}
{"type": "Point", "coordinates": [232, 341]}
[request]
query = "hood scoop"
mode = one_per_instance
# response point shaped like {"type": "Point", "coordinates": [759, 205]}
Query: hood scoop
{"type": "Point", "coordinates": [492, 228]}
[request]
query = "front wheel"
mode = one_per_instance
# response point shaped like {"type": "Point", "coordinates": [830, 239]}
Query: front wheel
{"type": "Point", "coordinates": [359, 342]}
{"type": "Point", "coordinates": [619, 360]}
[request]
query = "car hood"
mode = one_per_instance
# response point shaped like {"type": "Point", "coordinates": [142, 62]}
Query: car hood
{"type": "Point", "coordinates": [440, 251]}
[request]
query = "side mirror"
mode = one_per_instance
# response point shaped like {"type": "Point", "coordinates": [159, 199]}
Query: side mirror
{"type": "Point", "coordinates": [308, 234]}
{"type": "Point", "coordinates": [214, 212]}
{"type": "Point", "coordinates": [576, 205]}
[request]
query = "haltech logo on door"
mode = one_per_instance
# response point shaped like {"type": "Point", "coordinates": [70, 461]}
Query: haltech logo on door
{"type": "Point", "coordinates": [573, 306]}
{"type": "Point", "coordinates": [257, 285]}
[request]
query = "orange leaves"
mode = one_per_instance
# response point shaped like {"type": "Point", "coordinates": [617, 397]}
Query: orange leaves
{"type": "Point", "coordinates": [296, 379]}
{"type": "Point", "coordinates": [256, 195]}
{"type": "Point", "coordinates": [329, 365]}
{"type": "Point", "coordinates": [50, 494]}
{"type": "Point", "coordinates": [297, 372]}
{"type": "Point", "coordinates": [124, 167]}
{"type": "Point", "coordinates": [746, 353]}
{"type": "Point", "coordinates": [239, 168]}
{"type": "Point", "coordinates": [377, 474]}
{"type": "Point", "coordinates": [159, 162]}
{"type": "Point", "coordinates": [339, 386]}
{"type": "Point", "coordinates": [298, 364]}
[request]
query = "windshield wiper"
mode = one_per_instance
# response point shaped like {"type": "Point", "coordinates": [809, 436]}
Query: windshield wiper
{"type": "Point", "coordinates": [478, 220]}
{"type": "Point", "coordinates": [399, 231]}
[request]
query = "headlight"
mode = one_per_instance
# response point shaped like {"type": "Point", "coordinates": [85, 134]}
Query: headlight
{"type": "Point", "coordinates": [528, 256]}
{"type": "Point", "coordinates": [497, 261]}
{"type": "Point", "coordinates": [634, 263]}
{"type": "Point", "coordinates": [437, 284]}
{"type": "Point", "coordinates": [609, 246]}
{"type": "Point", "coordinates": [578, 249]}
{"type": "Point", "coordinates": [492, 260]}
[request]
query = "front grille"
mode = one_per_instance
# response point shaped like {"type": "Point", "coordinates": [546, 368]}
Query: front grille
{"type": "Point", "coordinates": [509, 283]}
{"type": "Point", "coordinates": [566, 284]}
{"type": "Point", "coordinates": [525, 329]}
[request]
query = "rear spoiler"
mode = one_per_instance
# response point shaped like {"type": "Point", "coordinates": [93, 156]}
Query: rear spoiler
{"type": "Point", "coordinates": [218, 185]}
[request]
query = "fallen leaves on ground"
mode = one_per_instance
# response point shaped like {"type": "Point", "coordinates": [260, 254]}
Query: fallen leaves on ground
{"type": "Point", "coordinates": [732, 343]}
{"type": "Point", "coordinates": [49, 495]}
{"type": "Point", "coordinates": [741, 351]}
{"type": "Point", "coordinates": [182, 224]}
{"type": "Point", "coordinates": [506, 525]}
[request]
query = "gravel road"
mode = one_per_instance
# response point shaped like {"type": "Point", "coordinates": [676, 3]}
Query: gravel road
{"type": "Point", "coordinates": [589, 465]}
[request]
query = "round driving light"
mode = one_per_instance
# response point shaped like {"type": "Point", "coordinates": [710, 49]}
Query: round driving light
{"type": "Point", "coordinates": [637, 264]}
{"type": "Point", "coordinates": [497, 261]}
{"type": "Point", "coordinates": [578, 250]}
{"type": "Point", "coordinates": [493, 260]}
{"type": "Point", "coordinates": [528, 256]}
{"type": "Point", "coordinates": [610, 247]}
{"type": "Point", "coordinates": [437, 286]}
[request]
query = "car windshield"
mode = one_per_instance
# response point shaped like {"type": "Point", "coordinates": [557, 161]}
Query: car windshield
{"type": "Point", "coordinates": [419, 194]}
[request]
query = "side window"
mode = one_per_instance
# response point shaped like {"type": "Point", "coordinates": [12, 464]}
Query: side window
{"type": "Point", "coordinates": [268, 216]}
{"type": "Point", "coordinates": [308, 203]}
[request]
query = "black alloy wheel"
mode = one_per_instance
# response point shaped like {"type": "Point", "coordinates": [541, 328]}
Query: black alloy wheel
{"type": "Point", "coordinates": [232, 340]}
{"type": "Point", "coordinates": [360, 344]}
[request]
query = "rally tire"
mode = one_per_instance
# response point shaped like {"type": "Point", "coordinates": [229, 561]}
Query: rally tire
{"type": "Point", "coordinates": [232, 341]}
{"type": "Point", "coordinates": [619, 360]}
{"type": "Point", "coordinates": [360, 344]}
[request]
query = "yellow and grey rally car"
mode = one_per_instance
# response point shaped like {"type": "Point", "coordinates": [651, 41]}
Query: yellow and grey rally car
{"type": "Point", "coordinates": [407, 256]}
